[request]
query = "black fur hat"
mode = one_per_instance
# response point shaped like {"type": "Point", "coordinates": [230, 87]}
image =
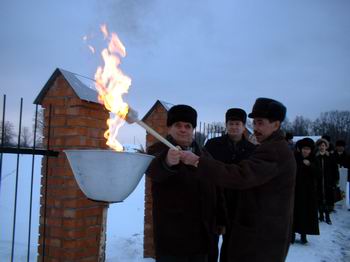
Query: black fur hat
{"type": "Point", "coordinates": [306, 142]}
{"type": "Point", "coordinates": [183, 113]}
{"type": "Point", "coordinates": [236, 114]}
{"type": "Point", "coordinates": [268, 108]}
{"type": "Point", "coordinates": [340, 143]}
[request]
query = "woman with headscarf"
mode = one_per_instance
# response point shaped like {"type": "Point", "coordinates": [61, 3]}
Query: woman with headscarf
{"type": "Point", "coordinates": [327, 179]}
{"type": "Point", "coordinates": [305, 220]}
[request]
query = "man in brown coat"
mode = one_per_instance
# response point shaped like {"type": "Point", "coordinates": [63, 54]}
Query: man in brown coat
{"type": "Point", "coordinates": [263, 221]}
{"type": "Point", "coordinates": [183, 206]}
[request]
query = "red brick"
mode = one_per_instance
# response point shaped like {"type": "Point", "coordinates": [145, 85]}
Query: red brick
{"type": "Point", "coordinates": [69, 131]}
{"type": "Point", "coordinates": [53, 242]}
{"type": "Point", "coordinates": [55, 101]}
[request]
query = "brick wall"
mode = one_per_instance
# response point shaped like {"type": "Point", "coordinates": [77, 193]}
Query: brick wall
{"type": "Point", "coordinates": [74, 227]}
{"type": "Point", "coordinates": [156, 120]}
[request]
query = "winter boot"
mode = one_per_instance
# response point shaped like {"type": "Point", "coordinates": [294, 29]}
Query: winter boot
{"type": "Point", "coordinates": [321, 218]}
{"type": "Point", "coordinates": [292, 240]}
{"type": "Point", "coordinates": [328, 219]}
{"type": "Point", "coordinates": [303, 239]}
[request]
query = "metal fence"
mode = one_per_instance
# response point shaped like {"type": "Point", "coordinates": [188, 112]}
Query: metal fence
{"type": "Point", "coordinates": [19, 177]}
{"type": "Point", "coordinates": [206, 131]}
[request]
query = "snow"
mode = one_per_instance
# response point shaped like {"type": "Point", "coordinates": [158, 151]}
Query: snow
{"type": "Point", "coordinates": [125, 223]}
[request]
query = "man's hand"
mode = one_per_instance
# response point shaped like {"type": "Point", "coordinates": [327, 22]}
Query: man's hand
{"type": "Point", "coordinates": [173, 157]}
{"type": "Point", "coordinates": [188, 158]}
{"type": "Point", "coordinates": [306, 162]}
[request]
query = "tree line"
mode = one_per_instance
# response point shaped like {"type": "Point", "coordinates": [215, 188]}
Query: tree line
{"type": "Point", "coordinates": [9, 134]}
{"type": "Point", "coordinates": [334, 123]}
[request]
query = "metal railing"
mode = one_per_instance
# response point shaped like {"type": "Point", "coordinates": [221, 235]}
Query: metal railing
{"type": "Point", "coordinates": [20, 150]}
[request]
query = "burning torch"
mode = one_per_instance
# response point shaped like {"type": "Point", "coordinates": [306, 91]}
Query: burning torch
{"type": "Point", "coordinates": [132, 117]}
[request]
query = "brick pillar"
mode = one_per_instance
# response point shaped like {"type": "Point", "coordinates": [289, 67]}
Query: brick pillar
{"type": "Point", "coordinates": [156, 120]}
{"type": "Point", "coordinates": [74, 227]}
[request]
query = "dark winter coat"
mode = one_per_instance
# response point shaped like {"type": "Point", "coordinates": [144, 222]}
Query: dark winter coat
{"type": "Point", "coordinates": [183, 206]}
{"type": "Point", "coordinates": [266, 180]}
{"type": "Point", "coordinates": [343, 160]}
{"type": "Point", "coordinates": [327, 178]}
{"type": "Point", "coordinates": [305, 205]}
{"type": "Point", "coordinates": [225, 150]}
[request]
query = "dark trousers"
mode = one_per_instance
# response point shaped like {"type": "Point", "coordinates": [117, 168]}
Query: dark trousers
{"type": "Point", "coordinates": [193, 258]}
{"type": "Point", "coordinates": [214, 250]}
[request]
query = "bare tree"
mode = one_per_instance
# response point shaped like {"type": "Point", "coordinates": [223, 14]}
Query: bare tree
{"type": "Point", "coordinates": [26, 137]}
{"type": "Point", "coordinates": [301, 126]}
{"type": "Point", "coordinates": [336, 124]}
{"type": "Point", "coordinates": [9, 134]}
{"type": "Point", "coordinates": [287, 126]}
{"type": "Point", "coordinates": [39, 128]}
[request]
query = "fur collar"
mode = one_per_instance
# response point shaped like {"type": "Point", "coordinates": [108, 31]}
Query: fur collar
{"type": "Point", "coordinates": [319, 154]}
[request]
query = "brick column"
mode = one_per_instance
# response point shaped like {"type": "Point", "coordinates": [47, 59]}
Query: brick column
{"type": "Point", "coordinates": [74, 226]}
{"type": "Point", "coordinates": [156, 120]}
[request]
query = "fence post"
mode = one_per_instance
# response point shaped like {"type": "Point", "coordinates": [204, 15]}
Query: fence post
{"type": "Point", "coordinates": [74, 227]}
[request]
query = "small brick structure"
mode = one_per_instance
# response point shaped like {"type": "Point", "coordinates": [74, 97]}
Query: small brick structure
{"type": "Point", "coordinates": [155, 118]}
{"type": "Point", "coordinates": [74, 226]}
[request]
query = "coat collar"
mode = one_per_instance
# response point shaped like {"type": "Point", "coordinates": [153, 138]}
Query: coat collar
{"type": "Point", "coordinates": [319, 154]}
{"type": "Point", "coordinates": [277, 135]}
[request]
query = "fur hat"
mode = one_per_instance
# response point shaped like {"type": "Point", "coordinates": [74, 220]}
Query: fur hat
{"type": "Point", "coordinates": [306, 142]}
{"type": "Point", "coordinates": [236, 114]}
{"type": "Point", "coordinates": [289, 136]}
{"type": "Point", "coordinates": [183, 113]}
{"type": "Point", "coordinates": [340, 143]}
{"type": "Point", "coordinates": [322, 140]}
{"type": "Point", "coordinates": [327, 137]}
{"type": "Point", "coordinates": [268, 108]}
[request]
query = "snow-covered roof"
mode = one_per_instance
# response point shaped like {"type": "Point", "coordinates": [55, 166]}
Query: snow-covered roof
{"type": "Point", "coordinates": [297, 138]}
{"type": "Point", "coordinates": [82, 86]}
{"type": "Point", "coordinates": [164, 104]}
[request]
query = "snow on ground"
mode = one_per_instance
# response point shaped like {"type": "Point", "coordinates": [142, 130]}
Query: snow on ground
{"type": "Point", "coordinates": [332, 245]}
{"type": "Point", "coordinates": [125, 235]}
{"type": "Point", "coordinates": [125, 224]}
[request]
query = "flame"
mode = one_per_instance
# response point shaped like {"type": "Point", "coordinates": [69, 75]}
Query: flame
{"type": "Point", "coordinates": [112, 84]}
{"type": "Point", "coordinates": [92, 49]}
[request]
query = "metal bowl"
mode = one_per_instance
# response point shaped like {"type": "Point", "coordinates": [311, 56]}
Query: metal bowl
{"type": "Point", "coordinates": [107, 175]}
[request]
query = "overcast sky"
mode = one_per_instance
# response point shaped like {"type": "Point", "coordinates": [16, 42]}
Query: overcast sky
{"type": "Point", "coordinates": [210, 54]}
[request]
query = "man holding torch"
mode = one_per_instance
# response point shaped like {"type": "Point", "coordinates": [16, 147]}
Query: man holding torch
{"type": "Point", "coordinates": [263, 220]}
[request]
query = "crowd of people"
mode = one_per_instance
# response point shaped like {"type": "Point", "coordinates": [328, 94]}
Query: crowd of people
{"type": "Point", "coordinates": [317, 182]}
{"type": "Point", "coordinates": [247, 192]}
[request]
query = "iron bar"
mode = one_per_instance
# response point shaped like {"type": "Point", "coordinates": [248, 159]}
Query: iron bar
{"type": "Point", "coordinates": [2, 136]}
{"type": "Point", "coordinates": [31, 184]}
{"type": "Point", "coordinates": [16, 184]}
{"type": "Point", "coordinates": [45, 183]}
{"type": "Point", "coordinates": [28, 151]}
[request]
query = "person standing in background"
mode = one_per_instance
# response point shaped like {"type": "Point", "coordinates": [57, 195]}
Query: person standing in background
{"type": "Point", "coordinates": [327, 179]}
{"type": "Point", "coordinates": [230, 148]}
{"type": "Point", "coordinates": [305, 220]}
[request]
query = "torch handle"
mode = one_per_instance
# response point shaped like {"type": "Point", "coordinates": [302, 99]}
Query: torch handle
{"type": "Point", "coordinates": [156, 135]}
